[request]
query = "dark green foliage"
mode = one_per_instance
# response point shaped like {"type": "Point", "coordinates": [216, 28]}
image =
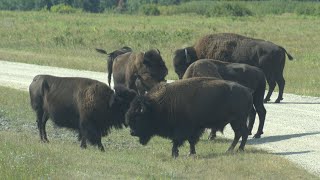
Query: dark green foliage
{"type": "Point", "coordinates": [63, 8]}
{"type": "Point", "coordinates": [150, 10]}
{"type": "Point", "coordinates": [92, 6]}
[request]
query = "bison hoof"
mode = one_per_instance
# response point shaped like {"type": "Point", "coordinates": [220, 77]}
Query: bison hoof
{"type": "Point", "coordinates": [257, 136]}
{"type": "Point", "coordinates": [44, 141]}
{"type": "Point", "coordinates": [250, 133]}
{"type": "Point", "coordinates": [266, 100]}
{"type": "Point", "coordinates": [277, 101]}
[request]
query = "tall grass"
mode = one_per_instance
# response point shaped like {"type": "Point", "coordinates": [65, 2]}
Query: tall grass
{"type": "Point", "coordinates": [68, 40]}
{"type": "Point", "coordinates": [22, 156]}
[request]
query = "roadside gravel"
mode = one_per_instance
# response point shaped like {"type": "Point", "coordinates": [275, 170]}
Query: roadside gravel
{"type": "Point", "coordinates": [292, 128]}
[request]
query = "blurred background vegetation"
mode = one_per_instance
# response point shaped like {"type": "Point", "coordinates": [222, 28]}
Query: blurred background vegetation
{"type": "Point", "coordinates": [207, 8]}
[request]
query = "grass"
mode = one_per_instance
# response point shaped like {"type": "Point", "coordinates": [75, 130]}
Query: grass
{"type": "Point", "coordinates": [22, 156]}
{"type": "Point", "coordinates": [68, 40]}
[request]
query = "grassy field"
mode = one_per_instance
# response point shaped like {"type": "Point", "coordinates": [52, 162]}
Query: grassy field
{"type": "Point", "coordinates": [22, 156]}
{"type": "Point", "coordinates": [69, 40]}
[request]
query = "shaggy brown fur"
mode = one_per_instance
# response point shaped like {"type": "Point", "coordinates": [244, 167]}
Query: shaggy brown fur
{"type": "Point", "coordinates": [149, 66]}
{"type": "Point", "coordinates": [246, 75]}
{"type": "Point", "coordinates": [240, 49]}
{"type": "Point", "coordinates": [112, 56]}
{"type": "Point", "coordinates": [181, 110]}
{"type": "Point", "coordinates": [85, 105]}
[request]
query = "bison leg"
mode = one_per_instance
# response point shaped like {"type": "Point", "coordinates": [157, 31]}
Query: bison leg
{"type": "Point", "coordinates": [213, 134]}
{"type": "Point", "coordinates": [252, 117]}
{"type": "Point", "coordinates": [42, 118]}
{"type": "Point", "coordinates": [272, 85]}
{"type": "Point", "coordinates": [193, 140]}
{"type": "Point", "coordinates": [83, 135]}
{"type": "Point", "coordinates": [281, 83]}
{"type": "Point", "coordinates": [262, 116]}
{"type": "Point", "coordinates": [175, 146]}
{"type": "Point", "coordinates": [244, 135]}
{"type": "Point", "coordinates": [237, 134]}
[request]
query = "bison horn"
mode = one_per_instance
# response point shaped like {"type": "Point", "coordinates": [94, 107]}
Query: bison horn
{"type": "Point", "coordinates": [187, 56]}
{"type": "Point", "coordinates": [158, 51]}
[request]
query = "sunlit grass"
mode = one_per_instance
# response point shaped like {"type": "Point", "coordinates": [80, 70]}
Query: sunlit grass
{"type": "Point", "coordinates": [22, 156]}
{"type": "Point", "coordinates": [68, 40]}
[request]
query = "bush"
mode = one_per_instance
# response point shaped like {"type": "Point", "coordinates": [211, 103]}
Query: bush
{"type": "Point", "coordinates": [308, 10]}
{"type": "Point", "coordinates": [62, 8]}
{"type": "Point", "coordinates": [229, 9]}
{"type": "Point", "coordinates": [150, 10]}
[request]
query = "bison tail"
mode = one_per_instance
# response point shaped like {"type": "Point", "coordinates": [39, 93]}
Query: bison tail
{"type": "Point", "coordinates": [110, 64]}
{"type": "Point", "coordinates": [45, 87]}
{"type": "Point", "coordinates": [289, 56]}
{"type": "Point", "coordinates": [101, 51]}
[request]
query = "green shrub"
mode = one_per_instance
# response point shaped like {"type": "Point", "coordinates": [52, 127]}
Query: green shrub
{"type": "Point", "coordinates": [308, 10]}
{"type": "Point", "coordinates": [150, 10]}
{"type": "Point", "coordinates": [229, 9]}
{"type": "Point", "coordinates": [62, 8]}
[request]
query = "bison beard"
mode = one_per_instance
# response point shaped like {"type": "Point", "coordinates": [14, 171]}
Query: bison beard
{"type": "Point", "coordinates": [164, 111]}
{"type": "Point", "coordinates": [87, 106]}
{"type": "Point", "coordinates": [239, 49]}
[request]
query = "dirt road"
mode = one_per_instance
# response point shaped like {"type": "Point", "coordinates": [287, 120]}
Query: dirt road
{"type": "Point", "coordinates": [292, 128]}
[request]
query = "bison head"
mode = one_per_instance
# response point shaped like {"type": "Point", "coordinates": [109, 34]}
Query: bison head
{"type": "Point", "coordinates": [155, 64]}
{"type": "Point", "coordinates": [153, 69]}
{"type": "Point", "coordinates": [182, 59]}
{"type": "Point", "coordinates": [138, 118]}
{"type": "Point", "coordinates": [121, 103]}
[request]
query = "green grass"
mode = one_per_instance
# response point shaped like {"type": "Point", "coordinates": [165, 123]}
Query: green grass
{"type": "Point", "coordinates": [68, 40]}
{"type": "Point", "coordinates": [22, 156]}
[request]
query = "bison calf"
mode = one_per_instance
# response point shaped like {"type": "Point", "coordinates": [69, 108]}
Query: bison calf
{"type": "Point", "coordinates": [246, 75]}
{"type": "Point", "coordinates": [181, 110]}
{"type": "Point", "coordinates": [85, 105]}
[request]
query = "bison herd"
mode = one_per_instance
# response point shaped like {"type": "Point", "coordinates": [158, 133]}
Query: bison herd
{"type": "Point", "coordinates": [222, 81]}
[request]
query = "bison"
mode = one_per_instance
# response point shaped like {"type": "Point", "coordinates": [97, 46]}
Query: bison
{"type": "Point", "coordinates": [246, 75]}
{"type": "Point", "coordinates": [87, 106]}
{"type": "Point", "coordinates": [183, 109]}
{"type": "Point", "coordinates": [149, 66]}
{"type": "Point", "coordinates": [239, 49]}
{"type": "Point", "coordinates": [111, 57]}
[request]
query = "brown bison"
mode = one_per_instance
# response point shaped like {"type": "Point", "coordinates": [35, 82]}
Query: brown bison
{"type": "Point", "coordinates": [239, 49]}
{"type": "Point", "coordinates": [246, 75]}
{"type": "Point", "coordinates": [85, 105]}
{"type": "Point", "coordinates": [111, 57]}
{"type": "Point", "coordinates": [149, 66]}
{"type": "Point", "coordinates": [210, 103]}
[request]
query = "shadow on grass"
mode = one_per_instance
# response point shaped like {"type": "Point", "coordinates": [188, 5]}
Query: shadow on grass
{"type": "Point", "coordinates": [278, 138]}
{"type": "Point", "coordinates": [293, 103]}
{"type": "Point", "coordinates": [291, 153]}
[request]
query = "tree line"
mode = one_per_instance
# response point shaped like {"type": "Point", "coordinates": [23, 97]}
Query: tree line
{"type": "Point", "coordinates": [86, 5]}
{"type": "Point", "coordinates": [94, 6]}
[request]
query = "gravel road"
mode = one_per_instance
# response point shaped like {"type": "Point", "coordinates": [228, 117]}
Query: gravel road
{"type": "Point", "coordinates": [292, 128]}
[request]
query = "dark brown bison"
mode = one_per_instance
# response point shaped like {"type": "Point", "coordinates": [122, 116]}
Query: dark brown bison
{"type": "Point", "coordinates": [85, 105]}
{"type": "Point", "coordinates": [112, 56]}
{"type": "Point", "coordinates": [246, 75]}
{"type": "Point", "coordinates": [181, 110]}
{"type": "Point", "coordinates": [239, 49]}
{"type": "Point", "coordinates": [149, 66]}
